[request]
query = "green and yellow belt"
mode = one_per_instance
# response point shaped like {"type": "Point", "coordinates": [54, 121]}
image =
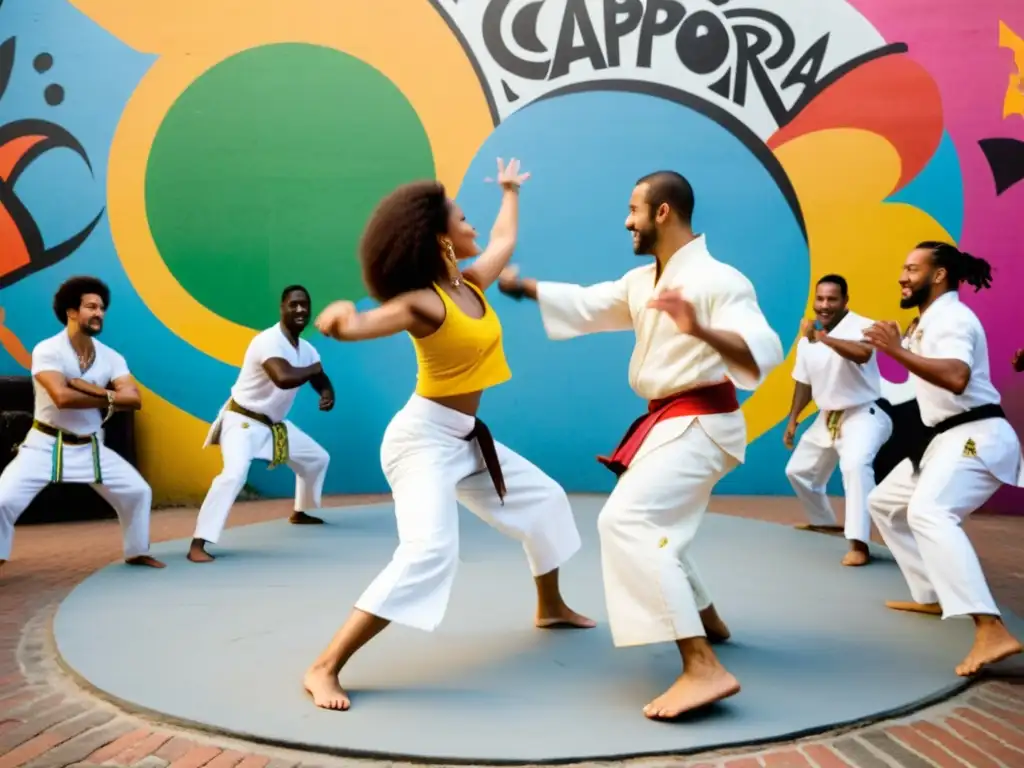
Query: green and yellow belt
{"type": "Point", "coordinates": [833, 420]}
{"type": "Point", "coordinates": [69, 438]}
{"type": "Point", "coordinates": [279, 432]}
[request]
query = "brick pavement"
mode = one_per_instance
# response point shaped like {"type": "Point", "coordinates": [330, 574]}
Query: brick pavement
{"type": "Point", "coordinates": [46, 721]}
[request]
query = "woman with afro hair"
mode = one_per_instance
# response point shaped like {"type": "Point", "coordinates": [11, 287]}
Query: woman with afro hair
{"type": "Point", "coordinates": [435, 451]}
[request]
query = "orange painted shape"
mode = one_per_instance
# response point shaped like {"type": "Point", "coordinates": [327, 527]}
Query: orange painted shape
{"type": "Point", "coordinates": [14, 150]}
{"type": "Point", "coordinates": [13, 251]}
{"type": "Point", "coordinates": [893, 97]}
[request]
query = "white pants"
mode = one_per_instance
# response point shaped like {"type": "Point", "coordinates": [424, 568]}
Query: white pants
{"type": "Point", "coordinates": [862, 433]}
{"type": "Point", "coordinates": [30, 471]}
{"type": "Point", "coordinates": [242, 440]}
{"type": "Point", "coordinates": [430, 467]}
{"type": "Point", "coordinates": [653, 591]}
{"type": "Point", "coordinates": [920, 516]}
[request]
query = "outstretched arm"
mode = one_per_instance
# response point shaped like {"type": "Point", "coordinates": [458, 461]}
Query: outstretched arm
{"type": "Point", "coordinates": [855, 351]}
{"type": "Point", "coordinates": [502, 243]}
{"type": "Point", "coordinates": [951, 373]}
{"type": "Point", "coordinates": [419, 312]}
{"type": "Point", "coordinates": [573, 310]}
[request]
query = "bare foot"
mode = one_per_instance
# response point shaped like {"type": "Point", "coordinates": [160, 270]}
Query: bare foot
{"type": "Point", "coordinates": [856, 557]}
{"type": "Point", "coordinates": [325, 689]}
{"type": "Point", "coordinates": [715, 629]}
{"type": "Point", "coordinates": [932, 609]}
{"type": "Point", "coordinates": [562, 617]}
{"type": "Point", "coordinates": [197, 552]}
{"type": "Point", "coordinates": [832, 530]}
{"type": "Point", "coordinates": [692, 691]}
{"type": "Point", "coordinates": [146, 561]}
{"type": "Point", "coordinates": [992, 642]}
{"type": "Point", "coordinates": [301, 518]}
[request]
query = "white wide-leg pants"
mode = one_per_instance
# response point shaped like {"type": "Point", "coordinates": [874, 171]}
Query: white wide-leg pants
{"type": "Point", "coordinates": [652, 588]}
{"type": "Point", "coordinates": [862, 433]}
{"type": "Point", "coordinates": [920, 516]}
{"type": "Point", "coordinates": [431, 467]}
{"type": "Point", "coordinates": [241, 441]}
{"type": "Point", "coordinates": [30, 471]}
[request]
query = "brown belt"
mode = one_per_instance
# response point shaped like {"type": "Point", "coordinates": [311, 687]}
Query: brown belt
{"type": "Point", "coordinates": [483, 438]}
{"type": "Point", "coordinates": [68, 437]}
{"type": "Point", "coordinates": [278, 431]}
{"type": "Point", "coordinates": [242, 410]}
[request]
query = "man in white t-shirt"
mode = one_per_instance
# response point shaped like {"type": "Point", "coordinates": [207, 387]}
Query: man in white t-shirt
{"type": "Point", "coordinates": [840, 372]}
{"type": "Point", "coordinates": [78, 382]}
{"type": "Point", "coordinates": [968, 452]}
{"type": "Point", "coordinates": [253, 425]}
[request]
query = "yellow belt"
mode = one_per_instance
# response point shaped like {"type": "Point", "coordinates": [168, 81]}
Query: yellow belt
{"type": "Point", "coordinates": [834, 420]}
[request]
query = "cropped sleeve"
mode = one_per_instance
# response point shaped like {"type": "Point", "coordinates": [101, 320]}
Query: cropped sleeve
{"type": "Point", "coordinates": [800, 373]}
{"type": "Point", "coordinates": [735, 309]}
{"type": "Point", "coordinates": [570, 310]}
{"type": "Point", "coordinates": [46, 357]}
{"type": "Point", "coordinates": [953, 340]}
{"type": "Point", "coordinates": [118, 366]}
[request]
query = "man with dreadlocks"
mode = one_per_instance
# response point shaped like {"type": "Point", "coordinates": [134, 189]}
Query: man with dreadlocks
{"type": "Point", "coordinates": [969, 450]}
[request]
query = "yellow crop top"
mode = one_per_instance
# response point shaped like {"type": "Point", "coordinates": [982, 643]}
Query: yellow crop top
{"type": "Point", "coordinates": [463, 355]}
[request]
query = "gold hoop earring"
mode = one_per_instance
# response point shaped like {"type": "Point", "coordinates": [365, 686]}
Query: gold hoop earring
{"type": "Point", "coordinates": [452, 264]}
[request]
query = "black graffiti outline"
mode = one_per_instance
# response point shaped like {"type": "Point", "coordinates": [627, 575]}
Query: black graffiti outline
{"type": "Point", "coordinates": [53, 137]}
{"type": "Point", "coordinates": [492, 105]}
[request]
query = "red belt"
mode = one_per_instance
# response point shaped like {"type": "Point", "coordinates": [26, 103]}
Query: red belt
{"type": "Point", "coordinates": [702, 401]}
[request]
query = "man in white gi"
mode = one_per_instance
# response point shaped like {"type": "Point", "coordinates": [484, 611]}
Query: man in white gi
{"type": "Point", "coordinates": [698, 329]}
{"type": "Point", "coordinates": [840, 372]}
{"type": "Point", "coordinates": [253, 424]}
{"type": "Point", "coordinates": [969, 452]}
{"type": "Point", "coordinates": [78, 382]}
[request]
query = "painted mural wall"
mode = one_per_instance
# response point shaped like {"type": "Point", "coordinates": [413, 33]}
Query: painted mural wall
{"type": "Point", "coordinates": [199, 155]}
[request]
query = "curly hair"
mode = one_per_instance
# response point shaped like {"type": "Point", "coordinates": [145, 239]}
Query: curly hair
{"type": "Point", "coordinates": [399, 251]}
{"type": "Point", "coordinates": [69, 295]}
{"type": "Point", "coordinates": [960, 266]}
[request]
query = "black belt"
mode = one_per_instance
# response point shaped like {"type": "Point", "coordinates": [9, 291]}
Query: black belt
{"type": "Point", "coordinates": [483, 438]}
{"type": "Point", "coordinates": [917, 449]}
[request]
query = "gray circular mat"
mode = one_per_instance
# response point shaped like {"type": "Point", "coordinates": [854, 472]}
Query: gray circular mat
{"type": "Point", "coordinates": [223, 646]}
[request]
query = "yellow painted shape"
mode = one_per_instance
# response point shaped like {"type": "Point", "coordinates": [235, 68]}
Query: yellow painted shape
{"type": "Point", "coordinates": [1013, 103]}
{"type": "Point", "coordinates": [841, 177]}
{"type": "Point", "coordinates": [408, 42]}
{"type": "Point", "coordinates": [169, 446]}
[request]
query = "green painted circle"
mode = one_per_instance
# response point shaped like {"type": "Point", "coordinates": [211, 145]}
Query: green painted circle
{"type": "Point", "coordinates": [265, 170]}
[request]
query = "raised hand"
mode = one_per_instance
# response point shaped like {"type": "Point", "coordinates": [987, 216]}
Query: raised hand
{"type": "Point", "coordinates": [884, 335]}
{"type": "Point", "coordinates": [808, 331]}
{"type": "Point", "coordinates": [509, 176]}
{"type": "Point", "coordinates": [682, 311]}
{"type": "Point", "coordinates": [335, 315]}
